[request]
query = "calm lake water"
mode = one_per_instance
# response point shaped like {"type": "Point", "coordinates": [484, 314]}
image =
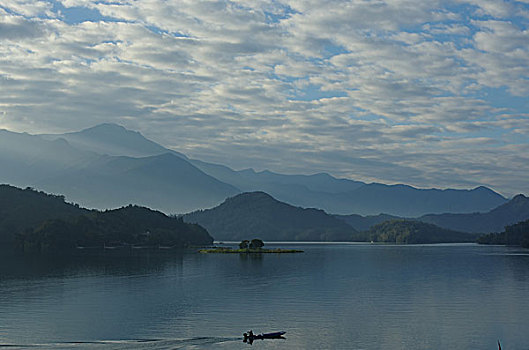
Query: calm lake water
{"type": "Point", "coordinates": [333, 296]}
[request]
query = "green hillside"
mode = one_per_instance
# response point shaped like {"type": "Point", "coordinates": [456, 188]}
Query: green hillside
{"type": "Point", "coordinates": [23, 209]}
{"type": "Point", "coordinates": [414, 232]}
{"type": "Point", "coordinates": [517, 234]}
{"type": "Point", "coordinates": [126, 226]}
{"type": "Point", "coordinates": [257, 214]}
{"type": "Point", "coordinates": [38, 222]}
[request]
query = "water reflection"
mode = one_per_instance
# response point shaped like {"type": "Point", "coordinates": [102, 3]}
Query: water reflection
{"type": "Point", "coordinates": [331, 296]}
{"type": "Point", "coordinates": [20, 266]}
{"type": "Point", "coordinates": [255, 258]}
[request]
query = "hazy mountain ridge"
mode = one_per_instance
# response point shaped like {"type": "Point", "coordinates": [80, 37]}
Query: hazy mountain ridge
{"type": "Point", "coordinates": [113, 140]}
{"type": "Point", "coordinates": [495, 220]}
{"type": "Point", "coordinates": [27, 159]}
{"type": "Point", "coordinates": [165, 182]}
{"type": "Point", "coordinates": [343, 196]}
{"type": "Point", "coordinates": [339, 196]}
{"type": "Point", "coordinates": [258, 214]}
{"type": "Point", "coordinates": [74, 164]}
{"type": "Point", "coordinates": [405, 200]}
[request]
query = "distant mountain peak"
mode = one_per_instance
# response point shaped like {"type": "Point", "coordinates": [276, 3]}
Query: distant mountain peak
{"type": "Point", "coordinates": [255, 195]}
{"type": "Point", "coordinates": [106, 126]}
{"type": "Point", "coordinates": [519, 197]}
{"type": "Point", "coordinates": [517, 200]}
{"type": "Point", "coordinates": [483, 189]}
{"type": "Point", "coordinates": [114, 140]}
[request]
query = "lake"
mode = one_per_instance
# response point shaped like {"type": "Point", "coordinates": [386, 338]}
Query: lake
{"type": "Point", "coordinates": [333, 296]}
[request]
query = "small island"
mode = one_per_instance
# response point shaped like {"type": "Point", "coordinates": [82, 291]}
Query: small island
{"type": "Point", "coordinates": [255, 246]}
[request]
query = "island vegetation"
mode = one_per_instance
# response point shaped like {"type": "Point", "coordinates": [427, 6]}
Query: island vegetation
{"type": "Point", "coordinates": [255, 246]}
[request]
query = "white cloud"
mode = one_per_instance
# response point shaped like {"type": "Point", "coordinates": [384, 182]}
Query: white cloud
{"type": "Point", "coordinates": [29, 8]}
{"type": "Point", "coordinates": [393, 91]}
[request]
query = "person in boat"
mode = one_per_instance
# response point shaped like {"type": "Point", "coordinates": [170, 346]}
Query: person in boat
{"type": "Point", "coordinates": [249, 337]}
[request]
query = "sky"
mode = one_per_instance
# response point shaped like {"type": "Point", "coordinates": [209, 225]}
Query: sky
{"type": "Point", "coordinates": [427, 93]}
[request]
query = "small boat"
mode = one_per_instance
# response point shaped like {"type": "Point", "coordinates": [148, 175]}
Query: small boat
{"type": "Point", "coordinates": [250, 337]}
{"type": "Point", "coordinates": [270, 335]}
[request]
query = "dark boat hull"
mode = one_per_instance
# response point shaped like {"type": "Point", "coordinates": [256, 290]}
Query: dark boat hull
{"type": "Point", "coordinates": [274, 335]}
{"type": "Point", "coordinates": [269, 335]}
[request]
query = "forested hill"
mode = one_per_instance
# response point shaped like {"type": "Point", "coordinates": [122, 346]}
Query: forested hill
{"type": "Point", "coordinates": [128, 226]}
{"type": "Point", "coordinates": [257, 214]}
{"type": "Point", "coordinates": [517, 234]}
{"type": "Point", "coordinates": [512, 212]}
{"type": "Point", "coordinates": [38, 222]}
{"type": "Point", "coordinates": [414, 232]}
{"type": "Point", "coordinates": [22, 209]}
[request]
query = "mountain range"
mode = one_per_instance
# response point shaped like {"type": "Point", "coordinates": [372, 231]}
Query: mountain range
{"type": "Point", "coordinates": [257, 214]}
{"type": "Point", "coordinates": [165, 181]}
{"type": "Point", "coordinates": [107, 166]}
{"type": "Point", "coordinates": [495, 220]}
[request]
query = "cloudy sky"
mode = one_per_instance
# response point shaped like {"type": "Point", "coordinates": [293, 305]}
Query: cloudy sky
{"type": "Point", "coordinates": [429, 93]}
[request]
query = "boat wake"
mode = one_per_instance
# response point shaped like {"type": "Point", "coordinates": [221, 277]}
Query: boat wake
{"type": "Point", "coordinates": [155, 344]}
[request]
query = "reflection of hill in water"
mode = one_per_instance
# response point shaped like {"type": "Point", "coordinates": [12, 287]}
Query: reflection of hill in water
{"type": "Point", "coordinates": [113, 263]}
